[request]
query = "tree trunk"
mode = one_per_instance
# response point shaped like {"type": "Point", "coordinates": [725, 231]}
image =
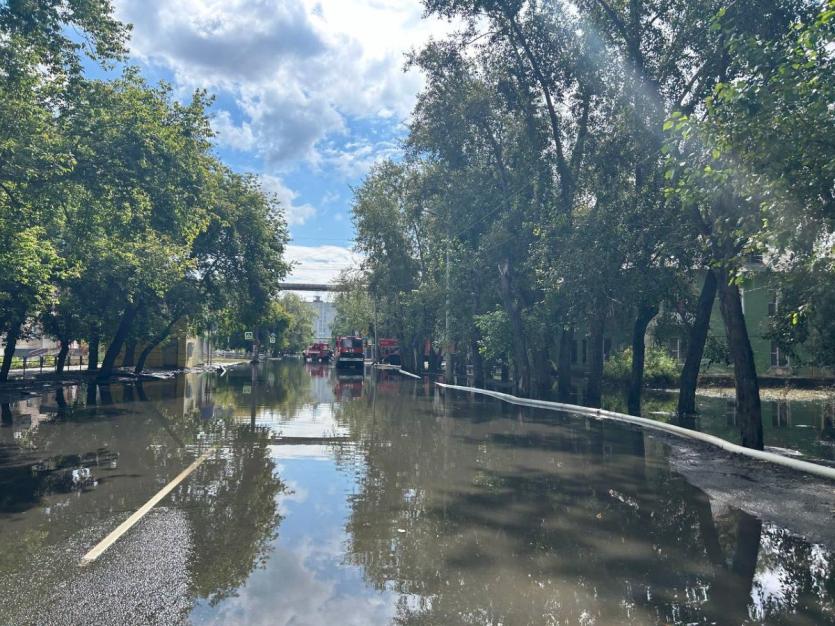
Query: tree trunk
{"type": "Point", "coordinates": [115, 346]}
{"type": "Point", "coordinates": [747, 386]}
{"type": "Point", "coordinates": [158, 339]}
{"type": "Point", "coordinates": [594, 389]}
{"type": "Point", "coordinates": [520, 351]}
{"type": "Point", "coordinates": [8, 352]}
{"type": "Point", "coordinates": [130, 353]}
{"type": "Point", "coordinates": [731, 588]}
{"type": "Point", "coordinates": [61, 360]}
{"type": "Point", "coordinates": [105, 397]}
{"type": "Point", "coordinates": [60, 400]}
{"type": "Point", "coordinates": [93, 351]}
{"type": "Point", "coordinates": [636, 377]}
{"type": "Point", "coordinates": [696, 347]}
{"type": "Point", "coordinates": [564, 365]}
{"type": "Point", "coordinates": [92, 390]}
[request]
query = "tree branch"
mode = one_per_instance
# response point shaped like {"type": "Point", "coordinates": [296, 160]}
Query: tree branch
{"type": "Point", "coordinates": [620, 25]}
{"type": "Point", "coordinates": [582, 133]}
{"type": "Point", "coordinates": [566, 180]}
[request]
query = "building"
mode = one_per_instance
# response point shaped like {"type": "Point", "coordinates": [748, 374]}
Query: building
{"type": "Point", "coordinates": [323, 322]}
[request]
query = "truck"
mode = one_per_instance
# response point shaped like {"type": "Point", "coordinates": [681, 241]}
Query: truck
{"type": "Point", "coordinates": [388, 351]}
{"type": "Point", "coordinates": [319, 353]}
{"type": "Point", "coordinates": [349, 352]}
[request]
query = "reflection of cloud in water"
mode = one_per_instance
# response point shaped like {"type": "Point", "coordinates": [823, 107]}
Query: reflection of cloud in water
{"type": "Point", "coordinates": [311, 420]}
{"type": "Point", "coordinates": [295, 493]}
{"type": "Point", "coordinates": [306, 580]}
{"type": "Point", "coordinates": [289, 591]}
{"type": "Point", "coordinates": [311, 452]}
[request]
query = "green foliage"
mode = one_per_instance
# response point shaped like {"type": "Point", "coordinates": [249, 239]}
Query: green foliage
{"type": "Point", "coordinates": [660, 369]}
{"type": "Point", "coordinates": [116, 220]}
{"type": "Point", "coordinates": [574, 166]}
{"type": "Point", "coordinates": [496, 335]}
{"type": "Point", "coordinates": [298, 333]}
{"type": "Point", "coordinates": [716, 351]}
{"type": "Point", "coordinates": [354, 310]}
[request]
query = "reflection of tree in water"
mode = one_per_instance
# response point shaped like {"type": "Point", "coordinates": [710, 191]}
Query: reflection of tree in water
{"type": "Point", "coordinates": [282, 386]}
{"type": "Point", "coordinates": [508, 521]}
{"type": "Point", "coordinates": [230, 502]}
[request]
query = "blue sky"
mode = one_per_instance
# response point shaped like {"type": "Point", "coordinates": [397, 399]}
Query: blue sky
{"type": "Point", "coordinates": [309, 95]}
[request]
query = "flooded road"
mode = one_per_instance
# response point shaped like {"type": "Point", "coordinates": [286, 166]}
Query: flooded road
{"type": "Point", "coordinates": [373, 500]}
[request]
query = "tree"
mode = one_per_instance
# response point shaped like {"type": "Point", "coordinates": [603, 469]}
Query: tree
{"type": "Point", "coordinates": [355, 307]}
{"type": "Point", "coordinates": [298, 332]}
{"type": "Point", "coordinates": [732, 183]}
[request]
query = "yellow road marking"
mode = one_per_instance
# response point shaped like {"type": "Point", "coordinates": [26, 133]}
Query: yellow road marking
{"type": "Point", "coordinates": [125, 526]}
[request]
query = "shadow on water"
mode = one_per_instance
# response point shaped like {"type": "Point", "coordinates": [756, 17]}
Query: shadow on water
{"type": "Point", "coordinates": [533, 517]}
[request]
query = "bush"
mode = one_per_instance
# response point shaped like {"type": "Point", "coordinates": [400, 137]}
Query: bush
{"type": "Point", "coordinates": [660, 369]}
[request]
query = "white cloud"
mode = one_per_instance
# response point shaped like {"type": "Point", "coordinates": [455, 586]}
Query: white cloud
{"type": "Point", "coordinates": [228, 134]}
{"type": "Point", "coordinates": [319, 264]}
{"type": "Point", "coordinates": [298, 70]}
{"type": "Point", "coordinates": [355, 158]}
{"type": "Point", "coordinates": [296, 214]}
{"type": "Point", "coordinates": [330, 197]}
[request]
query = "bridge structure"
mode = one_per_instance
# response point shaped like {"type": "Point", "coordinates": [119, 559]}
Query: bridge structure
{"type": "Point", "coordinates": [312, 287]}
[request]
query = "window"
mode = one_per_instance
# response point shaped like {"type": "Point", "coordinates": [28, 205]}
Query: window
{"type": "Point", "coordinates": [607, 348]}
{"type": "Point", "coordinates": [778, 357]}
{"type": "Point", "coordinates": [585, 352]}
{"type": "Point", "coordinates": [674, 348]}
{"type": "Point", "coordinates": [574, 351]}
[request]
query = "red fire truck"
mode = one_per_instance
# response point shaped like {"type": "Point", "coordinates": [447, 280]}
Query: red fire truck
{"type": "Point", "coordinates": [318, 353]}
{"type": "Point", "coordinates": [388, 351]}
{"type": "Point", "coordinates": [349, 352]}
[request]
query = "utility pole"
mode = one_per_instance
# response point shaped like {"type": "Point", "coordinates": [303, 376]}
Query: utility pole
{"type": "Point", "coordinates": [376, 353]}
{"type": "Point", "coordinates": [447, 343]}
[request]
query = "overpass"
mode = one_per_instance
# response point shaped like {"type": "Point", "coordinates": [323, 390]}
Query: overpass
{"type": "Point", "coordinates": [311, 287]}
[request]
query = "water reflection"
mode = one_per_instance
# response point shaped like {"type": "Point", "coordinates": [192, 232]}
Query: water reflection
{"type": "Point", "coordinates": [58, 499]}
{"type": "Point", "coordinates": [414, 507]}
{"type": "Point", "coordinates": [798, 427]}
{"type": "Point", "coordinates": [530, 519]}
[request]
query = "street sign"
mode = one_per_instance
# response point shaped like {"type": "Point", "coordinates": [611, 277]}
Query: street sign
{"type": "Point", "coordinates": [247, 390]}
{"type": "Point", "coordinates": [248, 335]}
{"type": "Point", "coordinates": [272, 338]}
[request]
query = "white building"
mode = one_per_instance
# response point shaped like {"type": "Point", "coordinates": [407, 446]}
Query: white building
{"type": "Point", "coordinates": [323, 322]}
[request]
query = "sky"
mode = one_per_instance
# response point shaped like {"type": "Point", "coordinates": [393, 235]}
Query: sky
{"type": "Point", "coordinates": [309, 94]}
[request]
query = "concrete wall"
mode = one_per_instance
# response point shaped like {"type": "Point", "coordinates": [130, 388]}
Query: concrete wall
{"type": "Point", "coordinates": [180, 351]}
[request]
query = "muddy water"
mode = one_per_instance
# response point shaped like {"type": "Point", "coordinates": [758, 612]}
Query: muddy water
{"type": "Point", "coordinates": [372, 500]}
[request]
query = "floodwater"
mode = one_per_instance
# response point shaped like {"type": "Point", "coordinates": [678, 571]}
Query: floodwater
{"type": "Point", "coordinates": [372, 499]}
{"type": "Point", "coordinates": [803, 428]}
